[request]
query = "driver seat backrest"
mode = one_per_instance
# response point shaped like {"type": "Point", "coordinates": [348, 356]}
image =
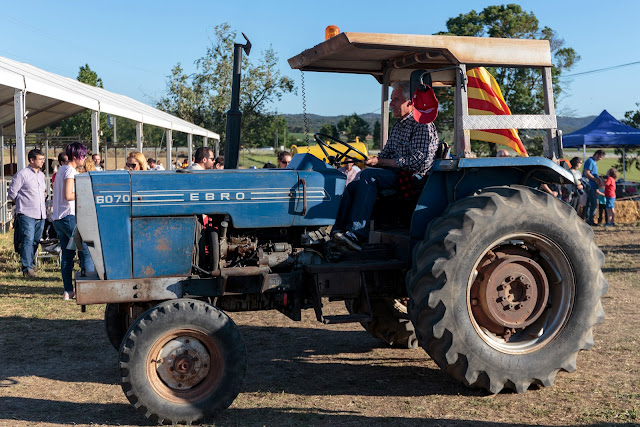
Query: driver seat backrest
{"type": "Point", "coordinates": [443, 151]}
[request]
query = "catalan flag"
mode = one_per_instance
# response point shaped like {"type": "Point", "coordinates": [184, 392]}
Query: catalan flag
{"type": "Point", "coordinates": [485, 98]}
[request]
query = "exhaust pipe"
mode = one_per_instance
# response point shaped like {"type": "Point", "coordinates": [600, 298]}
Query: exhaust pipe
{"type": "Point", "coordinates": [234, 115]}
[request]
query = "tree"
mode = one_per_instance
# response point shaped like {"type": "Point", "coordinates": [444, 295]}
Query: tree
{"type": "Point", "coordinates": [331, 130]}
{"type": "Point", "coordinates": [376, 134]}
{"type": "Point", "coordinates": [632, 155]}
{"type": "Point", "coordinates": [204, 97]}
{"type": "Point", "coordinates": [80, 124]}
{"type": "Point", "coordinates": [354, 126]}
{"type": "Point", "coordinates": [521, 87]}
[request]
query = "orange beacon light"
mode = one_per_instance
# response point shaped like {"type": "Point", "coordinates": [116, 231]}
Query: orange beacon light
{"type": "Point", "coordinates": [331, 31]}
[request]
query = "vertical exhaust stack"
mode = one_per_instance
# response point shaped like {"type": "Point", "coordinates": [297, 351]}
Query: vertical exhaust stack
{"type": "Point", "coordinates": [234, 115]}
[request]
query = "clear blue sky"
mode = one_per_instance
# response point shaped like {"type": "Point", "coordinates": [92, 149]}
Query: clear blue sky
{"type": "Point", "coordinates": [133, 45]}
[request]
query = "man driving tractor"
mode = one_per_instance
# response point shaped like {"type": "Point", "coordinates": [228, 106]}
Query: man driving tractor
{"type": "Point", "coordinates": [410, 150]}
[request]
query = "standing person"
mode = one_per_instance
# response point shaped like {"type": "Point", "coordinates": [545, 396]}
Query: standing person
{"type": "Point", "coordinates": [578, 189]}
{"type": "Point", "coordinates": [590, 171]}
{"type": "Point", "coordinates": [203, 159]}
{"type": "Point", "coordinates": [96, 162]}
{"type": "Point", "coordinates": [64, 215]}
{"type": "Point", "coordinates": [154, 166]}
{"type": "Point", "coordinates": [284, 158]}
{"type": "Point", "coordinates": [352, 171]}
{"type": "Point", "coordinates": [62, 160]}
{"type": "Point", "coordinates": [136, 162]}
{"type": "Point", "coordinates": [89, 165]}
{"type": "Point", "coordinates": [610, 194]}
{"type": "Point", "coordinates": [410, 150]}
{"type": "Point", "coordinates": [28, 191]}
{"type": "Point", "coordinates": [219, 163]}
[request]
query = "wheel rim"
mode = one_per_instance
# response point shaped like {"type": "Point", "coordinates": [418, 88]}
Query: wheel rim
{"type": "Point", "coordinates": [520, 293]}
{"type": "Point", "coordinates": [184, 366]}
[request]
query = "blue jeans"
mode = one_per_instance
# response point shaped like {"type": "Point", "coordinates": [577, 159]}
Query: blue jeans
{"type": "Point", "coordinates": [358, 200]}
{"type": "Point", "coordinates": [64, 227]}
{"type": "Point", "coordinates": [592, 204]}
{"type": "Point", "coordinates": [29, 231]}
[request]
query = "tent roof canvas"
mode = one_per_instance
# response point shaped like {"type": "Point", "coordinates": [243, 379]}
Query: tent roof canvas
{"type": "Point", "coordinates": [604, 131]}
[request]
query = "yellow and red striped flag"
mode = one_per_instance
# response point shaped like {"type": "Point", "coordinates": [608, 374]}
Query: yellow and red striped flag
{"type": "Point", "coordinates": [485, 98]}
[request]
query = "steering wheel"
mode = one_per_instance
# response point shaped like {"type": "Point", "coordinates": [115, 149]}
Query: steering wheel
{"type": "Point", "coordinates": [340, 153]}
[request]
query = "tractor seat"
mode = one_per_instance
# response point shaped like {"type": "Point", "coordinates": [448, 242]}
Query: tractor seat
{"type": "Point", "coordinates": [395, 206]}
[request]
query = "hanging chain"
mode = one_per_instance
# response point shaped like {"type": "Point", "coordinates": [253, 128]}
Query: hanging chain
{"type": "Point", "coordinates": [304, 101]}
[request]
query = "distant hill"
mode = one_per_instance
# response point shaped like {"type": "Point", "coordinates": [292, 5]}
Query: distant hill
{"type": "Point", "coordinates": [295, 122]}
{"type": "Point", "coordinates": [572, 124]}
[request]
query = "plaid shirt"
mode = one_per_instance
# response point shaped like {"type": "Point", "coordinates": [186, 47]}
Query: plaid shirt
{"type": "Point", "coordinates": [412, 145]}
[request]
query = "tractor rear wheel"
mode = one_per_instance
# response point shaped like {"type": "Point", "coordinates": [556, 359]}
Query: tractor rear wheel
{"type": "Point", "coordinates": [506, 288]}
{"type": "Point", "coordinates": [390, 323]}
{"type": "Point", "coordinates": [181, 361]}
{"type": "Point", "coordinates": [118, 318]}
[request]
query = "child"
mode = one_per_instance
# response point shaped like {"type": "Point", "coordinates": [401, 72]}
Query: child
{"type": "Point", "coordinates": [610, 194]}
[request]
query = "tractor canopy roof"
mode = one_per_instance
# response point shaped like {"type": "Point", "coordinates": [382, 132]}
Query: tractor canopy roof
{"type": "Point", "coordinates": [375, 53]}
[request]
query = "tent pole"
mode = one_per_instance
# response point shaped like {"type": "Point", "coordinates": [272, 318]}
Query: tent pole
{"type": "Point", "coordinates": [624, 163]}
{"type": "Point", "coordinates": [584, 153]}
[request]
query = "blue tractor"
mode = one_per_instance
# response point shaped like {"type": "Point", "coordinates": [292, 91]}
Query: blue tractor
{"type": "Point", "coordinates": [499, 282]}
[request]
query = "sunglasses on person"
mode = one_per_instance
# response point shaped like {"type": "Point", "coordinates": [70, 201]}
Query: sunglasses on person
{"type": "Point", "coordinates": [131, 165]}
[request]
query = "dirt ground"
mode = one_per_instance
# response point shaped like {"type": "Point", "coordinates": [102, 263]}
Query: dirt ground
{"type": "Point", "coordinates": [58, 367]}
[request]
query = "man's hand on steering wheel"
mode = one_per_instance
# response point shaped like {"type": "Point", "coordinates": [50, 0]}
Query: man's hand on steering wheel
{"type": "Point", "coordinates": [381, 162]}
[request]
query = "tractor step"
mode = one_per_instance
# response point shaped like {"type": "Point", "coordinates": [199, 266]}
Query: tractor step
{"type": "Point", "coordinates": [347, 285]}
{"type": "Point", "coordinates": [346, 318]}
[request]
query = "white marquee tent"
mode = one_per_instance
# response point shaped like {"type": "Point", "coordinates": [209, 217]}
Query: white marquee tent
{"type": "Point", "coordinates": [31, 98]}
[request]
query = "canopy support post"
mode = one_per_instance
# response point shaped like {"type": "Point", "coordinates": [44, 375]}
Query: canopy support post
{"type": "Point", "coordinates": [139, 135]}
{"type": "Point", "coordinates": [624, 163]}
{"type": "Point", "coordinates": [205, 141]}
{"type": "Point", "coordinates": [19, 102]}
{"type": "Point", "coordinates": [462, 142]}
{"type": "Point", "coordinates": [584, 153]}
{"type": "Point", "coordinates": [3, 191]}
{"type": "Point", "coordinates": [552, 148]}
{"type": "Point", "coordinates": [216, 151]}
{"type": "Point", "coordinates": [95, 132]}
{"type": "Point", "coordinates": [189, 149]}
{"type": "Point", "coordinates": [46, 166]}
{"type": "Point", "coordinates": [169, 142]}
{"type": "Point", "coordinates": [384, 108]}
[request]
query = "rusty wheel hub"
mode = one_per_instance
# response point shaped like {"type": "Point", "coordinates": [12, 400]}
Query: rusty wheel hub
{"type": "Point", "coordinates": [510, 293]}
{"type": "Point", "coordinates": [183, 363]}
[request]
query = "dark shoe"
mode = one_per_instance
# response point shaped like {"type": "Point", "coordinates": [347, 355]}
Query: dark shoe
{"type": "Point", "coordinates": [83, 272]}
{"type": "Point", "coordinates": [29, 273]}
{"type": "Point", "coordinates": [347, 239]}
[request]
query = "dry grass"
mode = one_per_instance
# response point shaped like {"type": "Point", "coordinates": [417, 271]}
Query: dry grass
{"type": "Point", "coordinates": [58, 367]}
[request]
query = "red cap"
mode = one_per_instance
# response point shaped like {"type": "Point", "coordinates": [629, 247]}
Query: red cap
{"type": "Point", "coordinates": [425, 105]}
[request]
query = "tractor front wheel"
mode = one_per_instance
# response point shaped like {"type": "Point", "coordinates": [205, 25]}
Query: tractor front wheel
{"type": "Point", "coordinates": [390, 322]}
{"type": "Point", "coordinates": [181, 361]}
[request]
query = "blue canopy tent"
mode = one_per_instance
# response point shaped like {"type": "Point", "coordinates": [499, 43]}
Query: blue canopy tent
{"type": "Point", "coordinates": [605, 131]}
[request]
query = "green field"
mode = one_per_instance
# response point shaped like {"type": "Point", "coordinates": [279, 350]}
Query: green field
{"type": "Point", "coordinates": [248, 159]}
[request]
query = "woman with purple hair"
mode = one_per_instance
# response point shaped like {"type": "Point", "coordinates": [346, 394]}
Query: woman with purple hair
{"type": "Point", "coordinates": [64, 215]}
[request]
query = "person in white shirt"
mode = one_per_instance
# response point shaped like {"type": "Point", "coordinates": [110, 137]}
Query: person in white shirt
{"type": "Point", "coordinates": [28, 191]}
{"type": "Point", "coordinates": [64, 215]}
{"type": "Point", "coordinates": [96, 161]}
{"type": "Point", "coordinates": [352, 171]}
{"type": "Point", "coordinates": [154, 166]}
